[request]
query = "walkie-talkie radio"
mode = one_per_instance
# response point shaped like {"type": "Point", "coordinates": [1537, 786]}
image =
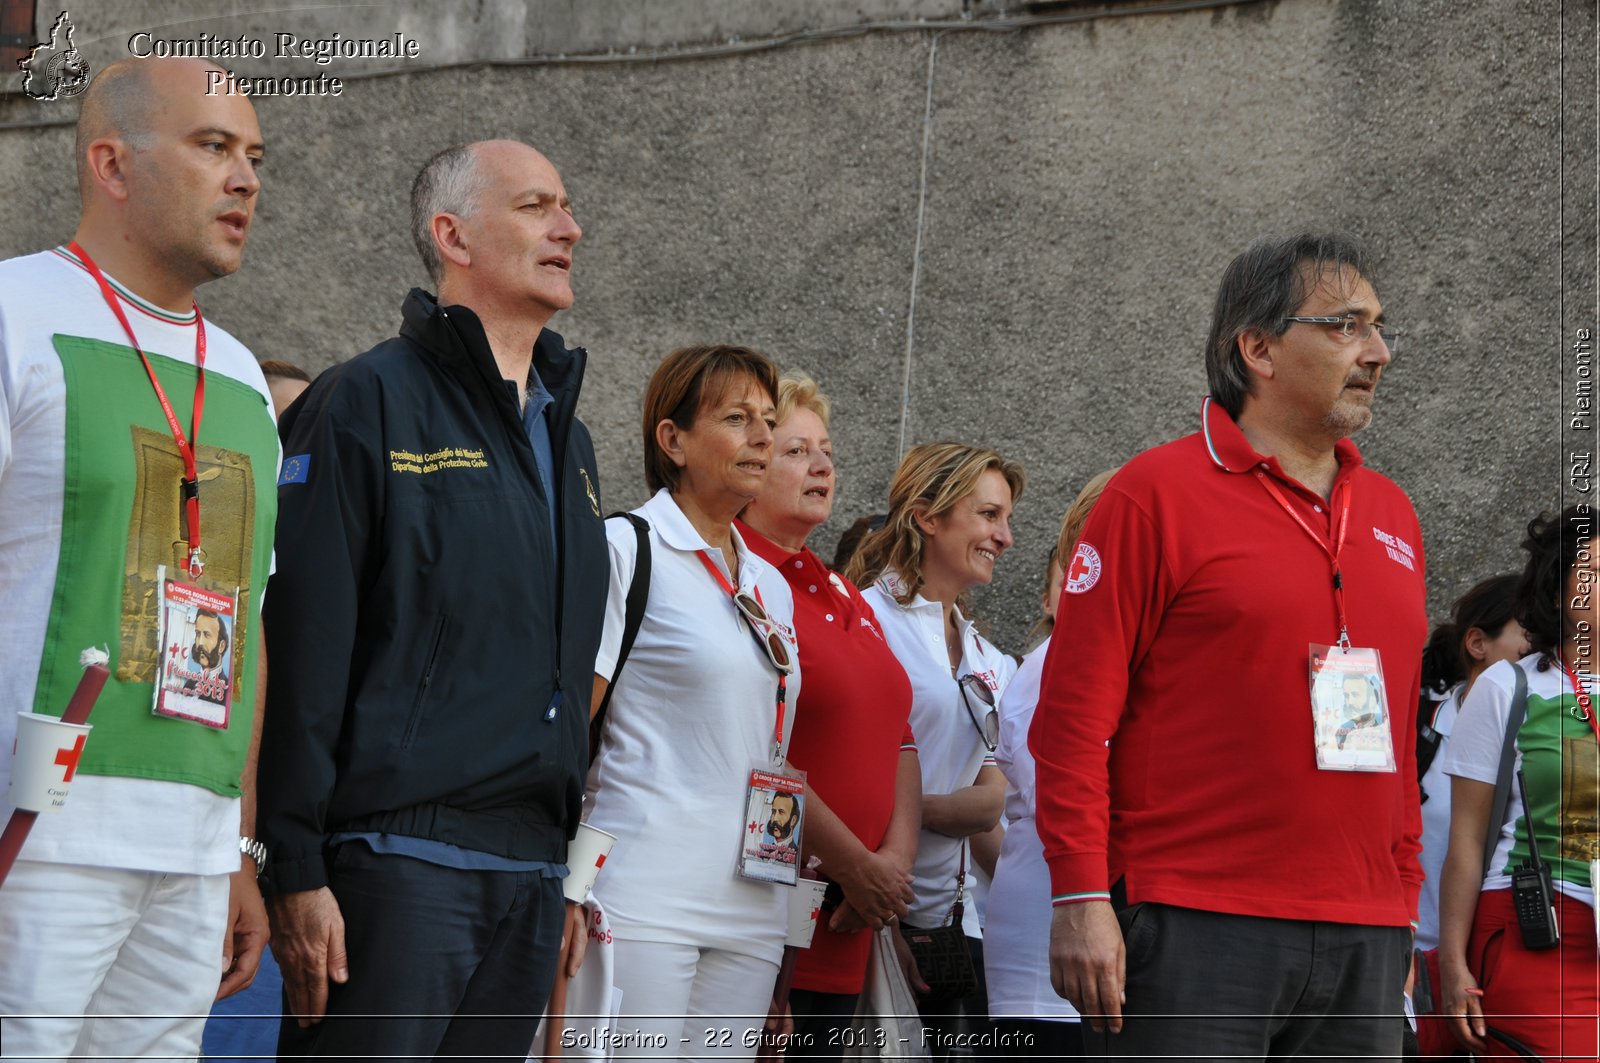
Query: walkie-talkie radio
{"type": "Point", "coordinates": [1531, 890]}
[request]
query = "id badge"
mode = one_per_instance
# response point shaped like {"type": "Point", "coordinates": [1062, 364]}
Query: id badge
{"type": "Point", "coordinates": [195, 634]}
{"type": "Point", "coordinates": [1349, 710]}
{"type": "Point", "coordinates": [774, 813]}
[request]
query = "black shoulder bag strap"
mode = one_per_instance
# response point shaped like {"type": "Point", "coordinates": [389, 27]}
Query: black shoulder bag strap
{"type": "Point", "coordinates": [632, 618]}
{"type": "Point", "coordinates": [1508, 755]}
{"type": "Point", "coordinates": [1428, 740]}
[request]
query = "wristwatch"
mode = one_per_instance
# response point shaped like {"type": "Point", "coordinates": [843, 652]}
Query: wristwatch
{"type": "Point", "coordinates": [255, 851]}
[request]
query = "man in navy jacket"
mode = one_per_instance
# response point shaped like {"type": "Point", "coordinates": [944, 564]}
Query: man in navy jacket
{"type": "Point", "coordinates": [432, 624]}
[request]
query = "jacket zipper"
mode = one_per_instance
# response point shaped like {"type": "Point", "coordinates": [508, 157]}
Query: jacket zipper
{"type": "Point", "coordinates": [422, 687]}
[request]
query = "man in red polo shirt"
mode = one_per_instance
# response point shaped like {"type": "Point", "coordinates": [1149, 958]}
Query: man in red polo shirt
{"type": "Point", "coordinates": [1229, 878]}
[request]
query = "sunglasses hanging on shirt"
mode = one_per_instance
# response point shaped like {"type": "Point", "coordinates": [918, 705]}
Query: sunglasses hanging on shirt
{"type": "Point", "coordinates": [988, 724]}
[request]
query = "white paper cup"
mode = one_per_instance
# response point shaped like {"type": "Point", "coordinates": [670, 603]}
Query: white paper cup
{"type": "Point", "coordinates": [586, 854]}
{"type": "Point", "coordinates": [46, 760]}
{"type": "Point", "coordinates": [805, 908]}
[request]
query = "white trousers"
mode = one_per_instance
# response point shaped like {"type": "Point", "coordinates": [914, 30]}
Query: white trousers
{"type": "Point", "coordinates": [691, 1003]}
{"type": "Point", "coordinates": [109, 963]}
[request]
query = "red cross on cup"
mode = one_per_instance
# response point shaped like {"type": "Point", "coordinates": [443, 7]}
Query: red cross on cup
{"type": "Point", "coordinates": [48, 753]}
{"type": "Point", "coordinates": [68, 758]}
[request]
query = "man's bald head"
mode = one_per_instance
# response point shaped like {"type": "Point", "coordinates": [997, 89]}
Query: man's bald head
{"type": "Point", "coordinates": [123, 101]}
{"type": "Point", "coordinates": [167, 161]}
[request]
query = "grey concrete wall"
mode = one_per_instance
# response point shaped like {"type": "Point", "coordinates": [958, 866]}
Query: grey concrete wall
{"type": "Point", "coordinates": [1085, 184]}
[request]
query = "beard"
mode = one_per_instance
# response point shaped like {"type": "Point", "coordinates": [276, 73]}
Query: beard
{"type": "Point", "coordinates": [1348, 416]}
{"type": "Point", "coordinates": [205, 658]}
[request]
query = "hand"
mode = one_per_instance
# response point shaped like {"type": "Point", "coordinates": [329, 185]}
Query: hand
{"type": "Point", "coordinates": [878, 887]}
{"type": "Point", "coordinates": [1088, 962]}
{"type": "Point", "coordinates": [574, 939]}
{"type": "Point", "coordinates": [779, 1027]}
{"type": "Point", "coordinates": [1461, 1002]}
{"type": "Point", "coordinates": [308, 940]}
{"type": "Point", "coordinates": [846, 920]}
{"type": "Point", "coordinates": [908, 963]}
{"type": "Point", "coordinates": [247, 932]}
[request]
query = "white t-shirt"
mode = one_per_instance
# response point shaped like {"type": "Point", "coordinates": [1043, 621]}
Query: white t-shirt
{"type": "Point", "coordinates": [693, 712]}
{"type": "Point", "coordinates": [139, 824]}
{"type": "Point", "coordinates": [1557, 736]}
{"type": "Point", "coordinates": [949, 744]}
{"type": "Point", "coordinates": [1436, 822]}
{"type": "Point", "coordinates": [1016, 952]}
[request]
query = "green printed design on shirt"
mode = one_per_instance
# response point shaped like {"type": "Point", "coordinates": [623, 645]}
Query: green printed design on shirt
{"type": "Point", "coordinates": [1560, 764]}
{"type": "Point", "coordinates": [120, 518]}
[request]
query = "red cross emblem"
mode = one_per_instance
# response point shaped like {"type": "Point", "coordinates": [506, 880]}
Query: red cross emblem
{"type": "Point", "coordinates": [1084, 570]}
{"type": "Point", "coordinates": [68, 758]}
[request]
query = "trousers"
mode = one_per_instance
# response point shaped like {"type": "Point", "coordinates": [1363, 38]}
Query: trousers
{"type": "Point", "coordinates": [1211, 985]}
{"type": "Point", "coordinates": [681, 1001]}
{"type": "Point", "coordinates": [443, 962]}
{"type": "Point", "coordinates": [106, 962]}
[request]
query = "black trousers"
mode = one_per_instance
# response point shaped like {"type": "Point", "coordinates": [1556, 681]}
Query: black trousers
{"type": "Point", "coordinates": [1206, 985]}
{"type": "Point", "coordinates": [443, 962]}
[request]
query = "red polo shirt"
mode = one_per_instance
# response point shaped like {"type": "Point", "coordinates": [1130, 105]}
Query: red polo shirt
{"type": "Point", "coordinates": [1183, 640]}
{"type": "Point", "coordinates": [850, 725]}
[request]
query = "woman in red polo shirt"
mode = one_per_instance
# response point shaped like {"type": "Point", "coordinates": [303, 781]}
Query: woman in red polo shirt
{"type": "Point", "coordinates": [851, 731]}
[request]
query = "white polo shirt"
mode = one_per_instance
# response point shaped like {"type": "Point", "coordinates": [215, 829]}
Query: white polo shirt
{"type": "Point", "coordinates": [1016, 954]}
{"type": "Point", "coordinates": [692, 713]}
{"type": "Point", "coordinates": [948, 742]}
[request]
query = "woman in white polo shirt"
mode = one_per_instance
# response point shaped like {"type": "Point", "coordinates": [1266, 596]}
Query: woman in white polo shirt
{"type": "Point", "coordinates": [1022, 1004]}
{"type": "Point", "coordinates": [700, 703]}
{"type": "Point", "coordinates": [949, 521]}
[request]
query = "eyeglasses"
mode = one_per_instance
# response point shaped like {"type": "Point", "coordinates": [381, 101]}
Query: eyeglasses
{"type": "Point", "coordinates": [989, 728]}
{"type": "Point", "coordinates": [1351, 327]}
{"type": "Point", "coordinates": [765, 632]}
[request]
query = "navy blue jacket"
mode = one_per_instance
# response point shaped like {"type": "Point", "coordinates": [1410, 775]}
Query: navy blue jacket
{"type": "Point", "coordinates": [430, 662]}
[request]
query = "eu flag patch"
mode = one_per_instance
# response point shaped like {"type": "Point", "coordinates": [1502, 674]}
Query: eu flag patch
{"type": "Point", "coordinates": [294, 469]}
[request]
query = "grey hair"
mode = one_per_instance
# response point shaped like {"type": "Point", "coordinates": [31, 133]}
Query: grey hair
{"type": "Point", "coordinates": [449, 183]}
{"type": "Point", "coordinates": [1261, 287]}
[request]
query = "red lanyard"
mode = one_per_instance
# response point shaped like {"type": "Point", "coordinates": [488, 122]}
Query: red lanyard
{"type": "Point", "coordinates": [1342, 494]}
{"type": "Point", "coordinates": [783, 680]}
{"type": "Point", "coordinates": [1582, 695]}
{"type": "Point", "coordinates": [191, 473]}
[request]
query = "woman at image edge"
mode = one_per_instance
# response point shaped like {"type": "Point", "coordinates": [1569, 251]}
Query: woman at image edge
{"type": "Point", "coordinates": [694, 711]}
{"type": "Point", "coordinates": [949, 521]}
{"type": "Point", "coordinates": [852, 734]}
{"type": "Point", "coordinates": [1545, 998]}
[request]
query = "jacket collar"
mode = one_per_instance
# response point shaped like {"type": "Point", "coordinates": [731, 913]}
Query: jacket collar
{"type": "Point", "coordinates": [454, 336]}
{"type": "Point", "coordinates": [1230, 451]}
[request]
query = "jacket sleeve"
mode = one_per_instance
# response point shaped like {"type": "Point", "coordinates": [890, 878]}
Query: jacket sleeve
{"type": "Point", "coordinates": [1103, 629]}
{"type": "Point", "coordinates": [329, 501]}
